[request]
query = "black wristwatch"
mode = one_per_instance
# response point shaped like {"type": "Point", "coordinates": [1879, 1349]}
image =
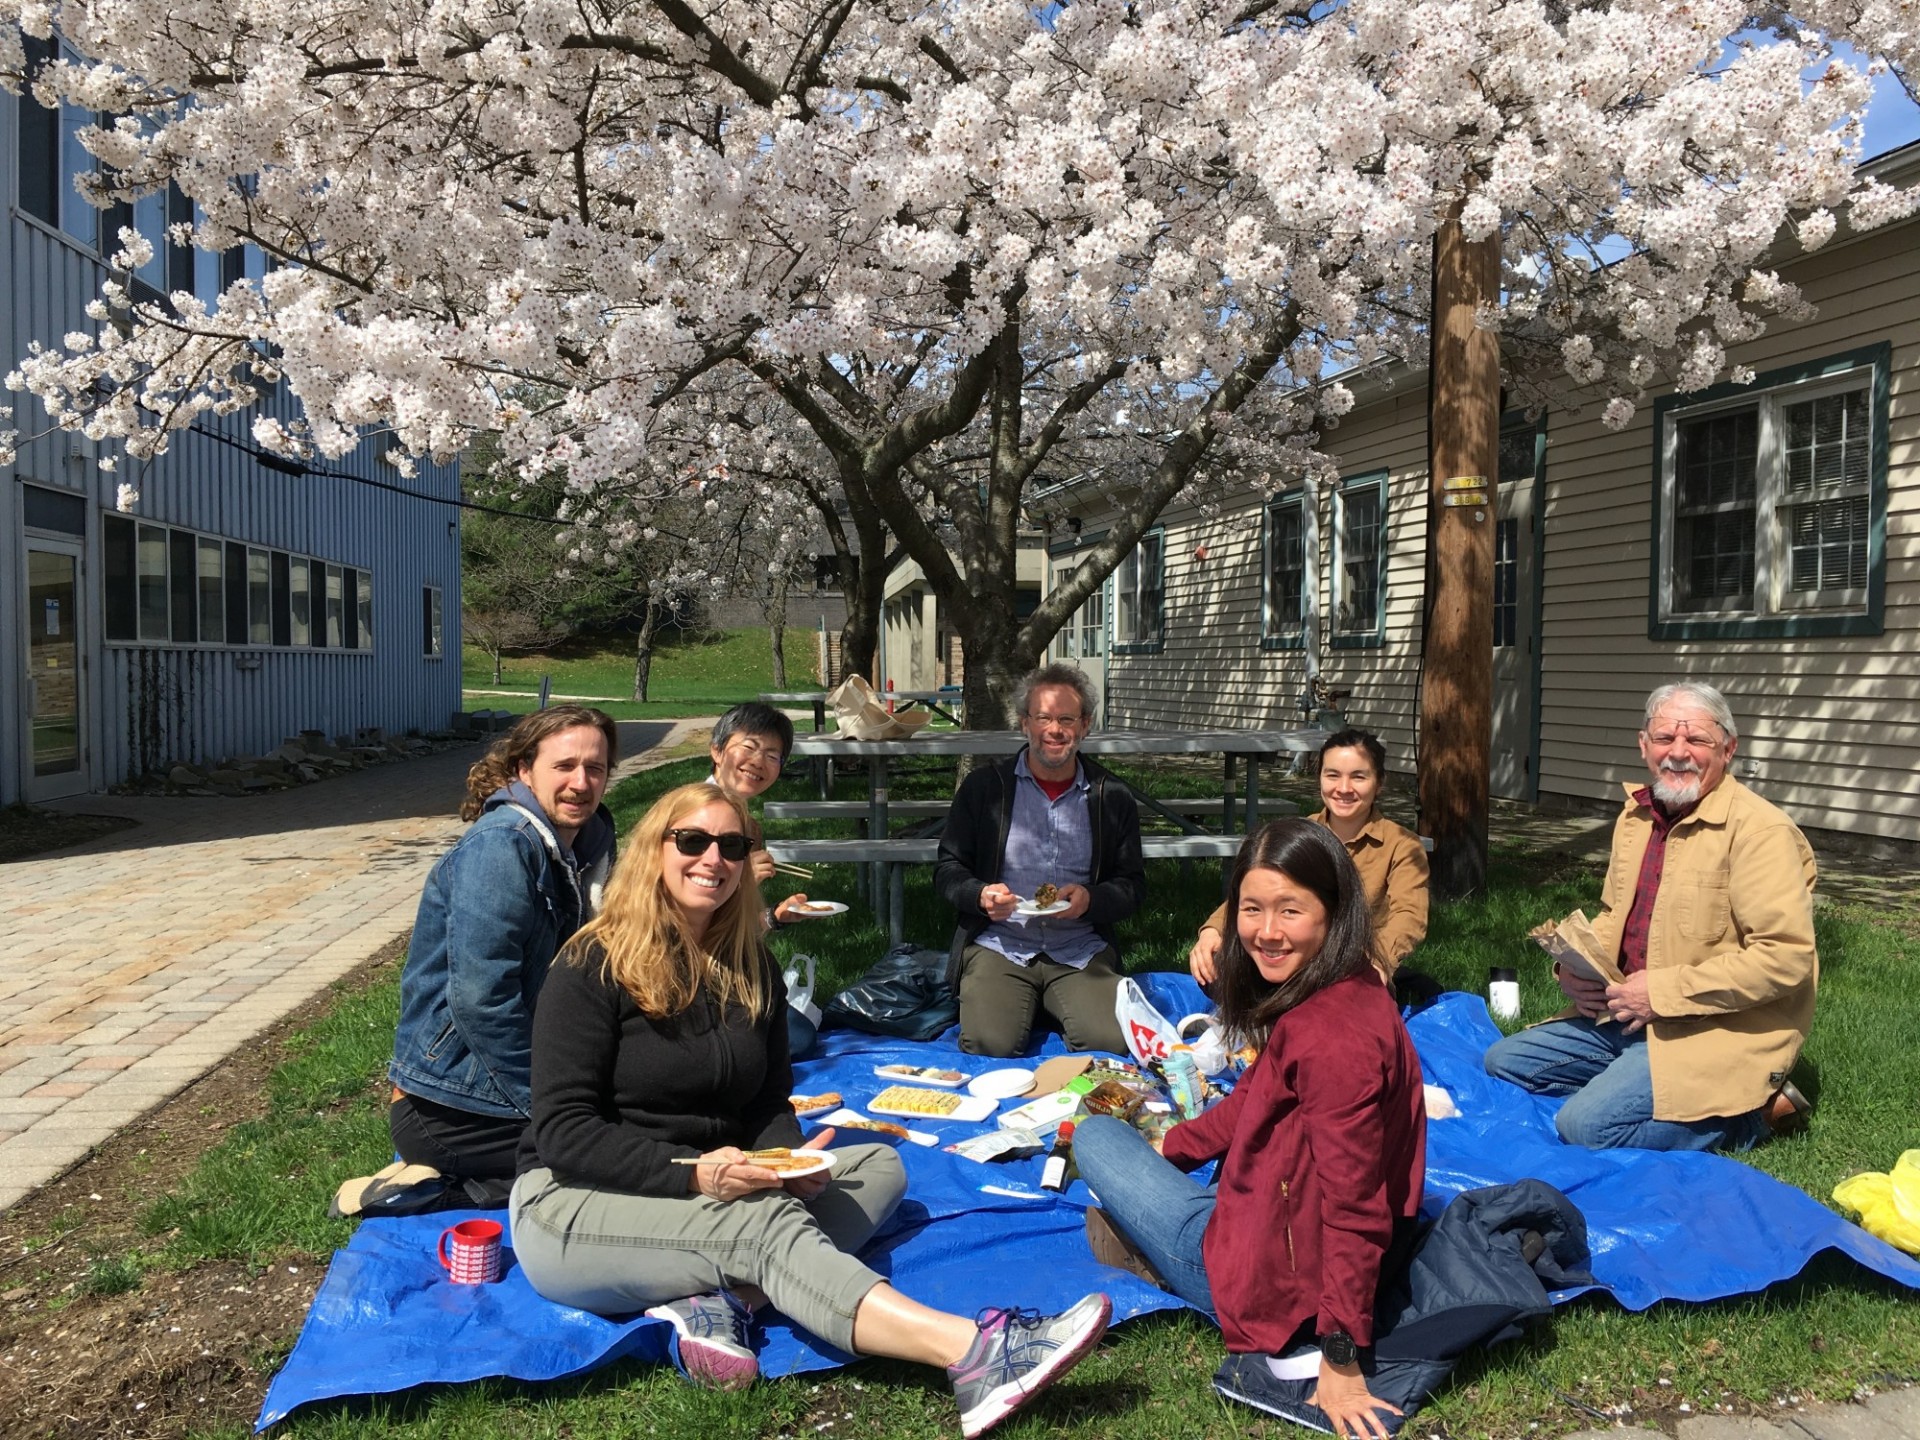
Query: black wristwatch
{"type": "Point", "coordinates": [1338, 1348]}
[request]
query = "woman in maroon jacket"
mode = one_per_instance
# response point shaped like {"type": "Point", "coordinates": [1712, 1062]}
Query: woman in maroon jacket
{"type": "Point", "coordinates": [1322, 1143]}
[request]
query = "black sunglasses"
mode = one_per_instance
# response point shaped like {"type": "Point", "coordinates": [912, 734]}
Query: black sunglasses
{"type": "Point", "coordinates": [733, 847]}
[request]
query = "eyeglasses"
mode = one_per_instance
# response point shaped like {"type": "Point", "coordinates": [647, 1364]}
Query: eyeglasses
{"type": "Point", "coordinates": [733, 846]}
{"type": "Point", "coordinates": [1661, 739]}
{"type": "Point", "coordinates": [1048, 722]}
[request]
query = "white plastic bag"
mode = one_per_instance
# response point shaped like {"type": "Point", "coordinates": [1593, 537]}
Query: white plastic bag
{"type": "Point", "coordinates": [1150, 1035]}
{"type": "Point", "coordinates": [800, 993]}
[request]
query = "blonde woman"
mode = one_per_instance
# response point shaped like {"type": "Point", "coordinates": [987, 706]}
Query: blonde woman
{"type": "Point", "coordinates": [659, 1061]}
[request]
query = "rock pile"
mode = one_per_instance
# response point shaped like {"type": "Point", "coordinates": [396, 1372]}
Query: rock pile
{"type": "Point", "coordinates": [299, 761]}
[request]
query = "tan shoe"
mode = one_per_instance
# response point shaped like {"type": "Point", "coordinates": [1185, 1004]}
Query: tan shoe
{"type": "Point", "coordinates": [1788, 1110]}
{"type": "Point", "coordinates": [1110, 1247]}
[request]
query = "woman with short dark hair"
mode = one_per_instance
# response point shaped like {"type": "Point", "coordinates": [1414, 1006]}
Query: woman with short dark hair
{"type": "Point", "coordinates": [1322, 1144]}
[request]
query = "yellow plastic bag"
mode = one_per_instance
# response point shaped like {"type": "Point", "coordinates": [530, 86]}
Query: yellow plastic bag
{"type": "Point", "coordinates": [1888, 1205]}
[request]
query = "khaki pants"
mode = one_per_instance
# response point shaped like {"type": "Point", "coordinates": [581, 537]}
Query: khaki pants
{"type": "Point", "coordinates": [614, 1253]}
{"type": "Point", "coordinates": [998, 998]}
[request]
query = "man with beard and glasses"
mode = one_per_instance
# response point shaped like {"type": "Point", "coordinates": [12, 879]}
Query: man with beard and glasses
{"type": "Point", "coordinates": [1708, 905]}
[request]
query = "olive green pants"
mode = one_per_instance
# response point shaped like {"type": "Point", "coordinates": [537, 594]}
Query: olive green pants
{"type": "Point", "coordinates": [998, 998]}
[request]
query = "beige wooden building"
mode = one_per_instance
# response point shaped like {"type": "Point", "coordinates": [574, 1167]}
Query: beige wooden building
{"type": "Point", "coordinates": [1762, 537]}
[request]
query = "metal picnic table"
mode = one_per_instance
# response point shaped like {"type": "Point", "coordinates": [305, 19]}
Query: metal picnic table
{"type": "Point", "coordinates": [883, 853]}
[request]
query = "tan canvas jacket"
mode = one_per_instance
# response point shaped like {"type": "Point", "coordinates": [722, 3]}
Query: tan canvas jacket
{"type": "Point", "coordinates": [1731, 963]}
{"type": "Point", "coordinates": [1393, 875]}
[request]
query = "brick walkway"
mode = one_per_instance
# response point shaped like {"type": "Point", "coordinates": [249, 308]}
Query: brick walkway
{"type": "Point", "coordinates": [138, 962]}
{"type": "Point", "coordinates": [1890, 1415]}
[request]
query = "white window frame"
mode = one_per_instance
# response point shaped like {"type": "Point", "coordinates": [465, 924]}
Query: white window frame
{"type": "Point", "coordinates": [1773, 602]}
{"type": "Point", "coordinates": [1132, 635]}
{"type": "Point", "coordinates": [1275, 634]}
{"type": "Point", "coordinates": [1348, 629]}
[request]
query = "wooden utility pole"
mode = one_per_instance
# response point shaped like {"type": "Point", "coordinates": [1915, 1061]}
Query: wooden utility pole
{"type": "Point", "coordinates": [1463, 457]}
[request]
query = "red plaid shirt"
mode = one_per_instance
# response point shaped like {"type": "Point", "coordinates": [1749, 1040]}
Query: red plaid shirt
{"type": "Point", "coordinates": [1633, 935]}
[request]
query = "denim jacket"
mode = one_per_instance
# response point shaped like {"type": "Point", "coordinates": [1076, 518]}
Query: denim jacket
{"type": "Point", "coordinates": [496, 910]}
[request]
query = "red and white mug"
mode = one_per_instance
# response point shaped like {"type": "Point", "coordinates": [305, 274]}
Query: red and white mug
{"type": "Point", "coordinates": [475, 1257]}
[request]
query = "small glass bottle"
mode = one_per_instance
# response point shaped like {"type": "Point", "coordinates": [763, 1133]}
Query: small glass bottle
{"type": "Point", "coordinates": [1053, 1174]}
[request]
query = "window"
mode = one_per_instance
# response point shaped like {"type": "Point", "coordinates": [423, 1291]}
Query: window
{"type": "Point", "coordinates": [1506, 583]}
{"type": "Point", "coordinates": [1286, 572]}
{"type": "Point", "coordinates": [336, 608]}
{"type": "Point", "coordinates": [153, 582]}
{"type": "Point", "coordinates": [1139, 596]}
{"type": "Point", "coordinates": [213, 612]}
{"type": "Point", "coordinates": [299, 604]}
{"type": "Point", "coordinates": [1771, 513]}
{"type": "Point", "coordinates": [166, 585]}
{"type": "Point", "coordinates": [259, 598]}
{"type": "Point", "coordinates": [1066, 644]}
{"type": "Point", "coordinates": [363, 609]}
{"type": "Point", "coordinates": [51, 155]}
{"type": "Point", "coordinates": [432, 623]}
{"type": "Point", "coordinates": [1359, 570]}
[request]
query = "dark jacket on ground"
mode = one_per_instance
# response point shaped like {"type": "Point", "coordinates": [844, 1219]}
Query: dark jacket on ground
{"type": "Point", "coordinates": [616, 1096]}
{"type": "Point", "coordinates": [494, 912]}
{"type": "Point", "coordinates": [1325, 1142]}
{"type": "Point", "coordinates": [973, 848]}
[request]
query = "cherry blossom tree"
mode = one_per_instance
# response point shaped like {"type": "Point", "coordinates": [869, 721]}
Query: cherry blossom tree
{"type": "Point", "coordinates": [972, 247]}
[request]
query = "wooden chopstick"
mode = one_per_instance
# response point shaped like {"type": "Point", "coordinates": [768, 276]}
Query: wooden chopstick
{"type": "Point", "coordinates": [799, 872]}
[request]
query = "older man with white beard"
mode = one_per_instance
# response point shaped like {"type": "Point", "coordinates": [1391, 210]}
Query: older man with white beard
{"type": "Point", "coordinates": [1708, 905]}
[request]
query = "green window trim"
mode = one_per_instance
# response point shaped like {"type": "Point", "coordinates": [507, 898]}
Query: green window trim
{"type": "Point", "coordinates": [1282, 635]}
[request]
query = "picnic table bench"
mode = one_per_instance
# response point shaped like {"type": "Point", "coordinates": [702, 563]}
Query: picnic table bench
{"type": "Point", "coordinates": [898, 852]}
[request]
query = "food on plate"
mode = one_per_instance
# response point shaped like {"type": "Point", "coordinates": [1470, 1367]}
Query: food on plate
{"type": "Point", "coordinates": [1046, 895]}
{"type": "Point", "coordinates": [917, 1102]}
{"type": "Point", "coordinates": [885, 1127]}
{"type": "Point", "coordinates": [817, 907]}
{"type": "Point", "coordinates": [782, 1161]}
{"type": "Point", "coordinates": [813, 1104]}
{"type": "Point", "coordinates": [922, 1072]}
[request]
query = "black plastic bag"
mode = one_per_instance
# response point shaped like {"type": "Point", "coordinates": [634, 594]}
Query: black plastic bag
{"type": "Point", "coordinates": [906, 995]}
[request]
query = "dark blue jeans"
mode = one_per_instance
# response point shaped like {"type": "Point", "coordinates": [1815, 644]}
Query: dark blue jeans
{"type": "Point", "coordinates": [1162, 1210]}
{"type": "Point", "coordinates": [1605, 1074]}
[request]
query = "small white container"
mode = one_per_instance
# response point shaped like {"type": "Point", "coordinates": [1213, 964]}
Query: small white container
{"type": "Point", "coordinates": [1503, 993]}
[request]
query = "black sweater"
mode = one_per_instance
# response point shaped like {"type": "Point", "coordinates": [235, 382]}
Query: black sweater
{"type": "Point", "coordinates": [617, 1096]}
{"type": "Point", "coordinates": [973, 848]}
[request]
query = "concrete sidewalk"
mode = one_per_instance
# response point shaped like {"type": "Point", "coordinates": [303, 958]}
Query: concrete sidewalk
{"type": "Point", "coordinates": [1890, 1415]}
{"type": "Point", "coordinates": [138, 962]}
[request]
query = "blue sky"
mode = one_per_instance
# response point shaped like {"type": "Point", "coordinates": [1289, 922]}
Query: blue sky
{"type": "Point", "coordinates": [1892, 120]}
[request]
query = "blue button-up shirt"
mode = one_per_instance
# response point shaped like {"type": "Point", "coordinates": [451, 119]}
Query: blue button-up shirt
{"type": "Point", "coordinates": [1047, 841]}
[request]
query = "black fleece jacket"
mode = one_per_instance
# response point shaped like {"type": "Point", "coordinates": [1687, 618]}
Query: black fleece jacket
{"type": "Point", "coordinates": [616, 1096]}
{"type": "Point", "coordinates": [973, 849]}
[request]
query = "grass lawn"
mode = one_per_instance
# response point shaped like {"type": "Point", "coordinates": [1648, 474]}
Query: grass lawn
{"type": "Point", "coordinates": [263, 1192]}
{"type": "Point", "coordinates": [692, 675]}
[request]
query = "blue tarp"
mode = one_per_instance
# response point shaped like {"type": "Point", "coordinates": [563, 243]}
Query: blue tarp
{"type": "Point", "coordinates": [1662, 1227]}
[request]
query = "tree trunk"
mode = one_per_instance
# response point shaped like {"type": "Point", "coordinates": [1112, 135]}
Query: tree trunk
{"type": "Point", "coordinates": [496, 667]}
{"type": "Point", "coordinates": [1463, 453]}
{"type": "Point", "coordinates": [860, 635]}
{"type": "Point", "coordinates": [643, 646]}
{"type": "Point", "coordinates": [777, 626]}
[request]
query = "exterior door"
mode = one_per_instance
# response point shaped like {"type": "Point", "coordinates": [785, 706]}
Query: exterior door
{"type": "Point", "coordinates": [54, 758]}
{"type": "Point", "coordinates": [1514, 772]}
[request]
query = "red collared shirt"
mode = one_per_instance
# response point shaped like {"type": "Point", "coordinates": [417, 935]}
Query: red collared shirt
{"type": "Point", "coordinates": [1633, 935]}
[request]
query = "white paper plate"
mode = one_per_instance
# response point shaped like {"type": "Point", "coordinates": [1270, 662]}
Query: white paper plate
{"type": "Point", "coordinates": [833, 1103]}
{"type": "Point", "coordinates": [921, 1075]}
{"type": "Point", "coordinates": [1034, 912]}
{"type": "Point", "coordinates": [1002, 1084]}
{"type": "Point", "coordinates": [816, 910]}
{"type": "Point", "coordinates": [818, 1160]}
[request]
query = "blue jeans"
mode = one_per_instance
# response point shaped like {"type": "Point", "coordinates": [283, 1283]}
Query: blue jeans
{"type": "Point", "coordinates": [1161, 1209]}
{"type": "Point", "coordinates": [1605, 1074]}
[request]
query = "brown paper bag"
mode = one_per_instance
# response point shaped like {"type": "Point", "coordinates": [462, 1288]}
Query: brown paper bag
{"type": "Point", "coordinates": [1573, 944]}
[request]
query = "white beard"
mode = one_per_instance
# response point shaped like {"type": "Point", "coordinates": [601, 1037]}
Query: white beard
{"type": "Point", "coordinates": [1674, 788]}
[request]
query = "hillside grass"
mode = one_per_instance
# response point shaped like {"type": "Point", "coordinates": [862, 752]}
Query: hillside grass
{"type": "Point", "coordinates": [693, 674]}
